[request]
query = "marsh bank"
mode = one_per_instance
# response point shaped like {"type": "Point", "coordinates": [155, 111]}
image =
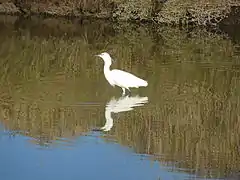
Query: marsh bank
{"type": "Point", "coordinates": [178, 12]}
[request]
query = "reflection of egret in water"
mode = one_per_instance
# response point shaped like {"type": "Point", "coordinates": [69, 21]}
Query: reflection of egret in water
{"type": "Point", "coordinates": [120, 105]}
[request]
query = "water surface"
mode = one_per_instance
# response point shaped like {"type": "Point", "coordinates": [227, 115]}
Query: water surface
{"type": "Point", "coordinates": [60, 119]}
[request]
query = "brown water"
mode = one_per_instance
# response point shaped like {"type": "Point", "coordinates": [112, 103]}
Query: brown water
{"type": "Point", "coordinates": [184, 125]}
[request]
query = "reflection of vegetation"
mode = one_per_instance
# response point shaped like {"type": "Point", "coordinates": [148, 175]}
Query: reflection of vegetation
{"type": "Point", "coordinates": [48, 110]}
{"type": "Point", "coordinates": [193, 91]}
{"type": "Point", "coordinates": [195, 124]}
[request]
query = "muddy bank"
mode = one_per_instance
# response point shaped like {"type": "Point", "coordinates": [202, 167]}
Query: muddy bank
{"type": "Point", "coordinates": [189, 12]}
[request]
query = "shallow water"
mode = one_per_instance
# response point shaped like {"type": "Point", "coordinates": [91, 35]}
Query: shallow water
{"type": "Point", "coordinates": [60, 119]}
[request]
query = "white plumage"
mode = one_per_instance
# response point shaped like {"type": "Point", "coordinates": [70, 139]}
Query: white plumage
{"type": "Point", "coordinates": [120, 78]}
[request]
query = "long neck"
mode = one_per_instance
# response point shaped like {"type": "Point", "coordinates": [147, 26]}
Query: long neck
{"type": "Point", "coordinates": [107, 68]}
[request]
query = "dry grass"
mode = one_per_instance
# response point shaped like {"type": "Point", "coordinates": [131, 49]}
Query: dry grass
{"type": "Point", "coordinates": [67, 8]}
{"type": "Point", "coordinates": [207, 12]}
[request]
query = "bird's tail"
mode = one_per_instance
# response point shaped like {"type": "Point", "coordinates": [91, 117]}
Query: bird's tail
{"type": "Point", "coordinates": [144, 83]}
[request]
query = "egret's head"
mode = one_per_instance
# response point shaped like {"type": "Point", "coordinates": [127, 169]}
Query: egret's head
{"type": "Point", "coordinates": [106, 57]}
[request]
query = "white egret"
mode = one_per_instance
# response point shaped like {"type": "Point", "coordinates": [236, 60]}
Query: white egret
{"type": "Point", "coordinates": [122, 104]}
{"type": "Point", "coordinates": [120, 78]}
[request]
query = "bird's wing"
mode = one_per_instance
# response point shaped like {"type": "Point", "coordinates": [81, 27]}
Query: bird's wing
{"type": "Point", "coordinates": [125, 79]}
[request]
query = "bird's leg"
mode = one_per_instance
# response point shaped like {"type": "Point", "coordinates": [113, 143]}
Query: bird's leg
{"type": "Point", "coordinates": [129, 91]}
{"type": "Point", "coordinates": [123, 93]}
